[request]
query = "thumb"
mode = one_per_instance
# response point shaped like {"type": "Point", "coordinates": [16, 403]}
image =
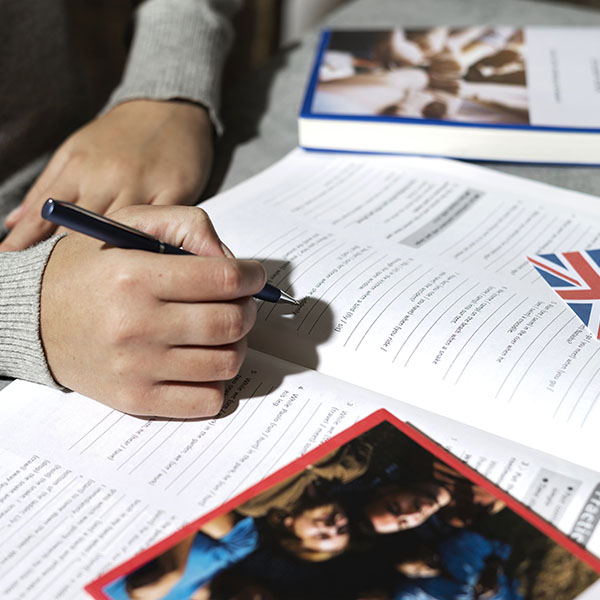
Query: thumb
{"type": "Point", "coordinates": [187, 227]}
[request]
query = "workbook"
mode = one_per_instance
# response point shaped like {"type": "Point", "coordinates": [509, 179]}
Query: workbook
{"type": "Point", "coordinates": [480, 92]}
{"type": "Point", "coordinates": [416, 295]}
{"type": "Point", "coordinates": [378, 511]}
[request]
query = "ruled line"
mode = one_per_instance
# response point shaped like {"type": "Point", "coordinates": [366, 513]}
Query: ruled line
{"type": "Point", "coordinates": [402, 291]}
{"type": "Point", "coordinates": [486, 240]}
{"type": "Point", "coordinates": [286, 242]}
{"type": "Point", "coordinates": [304, 183]}
{"type": "Point", "coordinates": [575, 380]}
{"type": "Point", "coordinates": [336, 282]}
{"type": "Point", "coordinates": [527, 347]}
{"type": "Point", "coordinates": [300, 432]}
{"type": "Point", "coordinates": [174, 430]}
{"type": "Point", "coordinates": [57, 495]}
{"type": "Point", "coordinates": [522, 248]}
{"type": "Point", "coordinates": [488, 337]}
{"type": "Point", "coordinates": [105, 431]}
{"type": "Point", "coordinates": [92, 429]}
{"type": "Point", "coordinates": [146, 441]}
{"type": "Point", "coordinates": [592, 404]}
{"type": "Point", "coordinates": [475, 228]}
{"type": "Point", "coordinates": [583, 393]}
{"type": "Point", "coordinates": [126, 525]}
{"type": "Point", "coordinates": [262, 460]}
{"type": "Point", "coordinates": [198, 473]}
{"type": "Point", "coordinates": [209, 446]}
{"type": "Point", "coordinates": [475, 333]}
{"type": "Point", "coordinates": [370, 266]}
{"type": "Point", "coordinates": [305, 271]}
{"type": "Point", "coordinates": [539, 354]}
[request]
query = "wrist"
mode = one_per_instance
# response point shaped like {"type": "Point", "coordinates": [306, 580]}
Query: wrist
{"type": "Point", "coordinates": [197, 114]}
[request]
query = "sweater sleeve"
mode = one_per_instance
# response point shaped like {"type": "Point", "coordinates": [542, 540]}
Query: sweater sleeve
{"type": "Point", "coordinates": [21, 352]}
{"type": "Point", "coordinates": [178, 51]}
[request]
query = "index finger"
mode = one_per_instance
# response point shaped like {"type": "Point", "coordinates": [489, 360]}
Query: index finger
{"type": "Point", "coordinates": [180, 278]}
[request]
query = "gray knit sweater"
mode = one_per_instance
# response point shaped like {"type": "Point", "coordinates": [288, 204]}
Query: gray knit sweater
{"type": "Point", "coordinates": [177, 51]}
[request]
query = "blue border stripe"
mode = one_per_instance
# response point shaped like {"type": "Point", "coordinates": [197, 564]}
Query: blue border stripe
{"type": "Point", "coordinates": [314, 77]}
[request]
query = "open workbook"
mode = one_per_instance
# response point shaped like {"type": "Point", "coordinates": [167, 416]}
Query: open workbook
{"type": "Point", "coordinates": [417, 297]}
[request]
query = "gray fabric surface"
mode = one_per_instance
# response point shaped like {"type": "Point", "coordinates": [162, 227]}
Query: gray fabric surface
{"type": "Point", "coordinates": [261, 114]}
{"type": "Point", "coordinates": [177, 51]}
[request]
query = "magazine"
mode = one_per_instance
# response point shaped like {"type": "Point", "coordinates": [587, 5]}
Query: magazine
{"type": "Point", "coordinates": [379, 511]}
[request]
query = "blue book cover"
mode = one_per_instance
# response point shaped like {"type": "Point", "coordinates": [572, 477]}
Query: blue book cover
{"type": "Point", "coordinates": [469, 92]}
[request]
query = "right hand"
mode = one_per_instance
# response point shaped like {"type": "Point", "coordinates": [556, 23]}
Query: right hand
{"type": "Point", "coordinates": [145, 333]}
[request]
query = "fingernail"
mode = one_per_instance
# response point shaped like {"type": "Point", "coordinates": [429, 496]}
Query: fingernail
{"type": "Point", "coordinates": [226, 251]}
{"type": "Point", "coordinates": [14, 214]}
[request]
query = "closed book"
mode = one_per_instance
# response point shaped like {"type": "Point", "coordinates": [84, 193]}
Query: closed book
{"type": "Point", "coordinates": [492, 93]}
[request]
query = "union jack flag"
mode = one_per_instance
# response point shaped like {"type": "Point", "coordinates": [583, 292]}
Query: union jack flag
{"type": "Point", "coordinates": [575, 277]}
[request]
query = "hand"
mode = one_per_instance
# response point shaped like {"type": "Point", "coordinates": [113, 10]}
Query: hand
{"type": "Point", "coordinates": [145, 333]}
{"type": "Point", "coordinates": [140, 152]}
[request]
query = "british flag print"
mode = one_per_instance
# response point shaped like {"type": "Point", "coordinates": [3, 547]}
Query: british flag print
{"type": "Point", "coordinates": [575, 277]}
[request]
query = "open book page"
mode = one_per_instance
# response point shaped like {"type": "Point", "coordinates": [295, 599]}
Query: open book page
{"type": "Point", "coordinates": [101, 485]}
{"type": "Point", "coordinates": [60, 526]}
{"type": "Point", "coordinates": [273, 413]}
{"type": "Point", "coordinates": [493, 350]}
{"type": "Point", "coordinates": [476, 216]}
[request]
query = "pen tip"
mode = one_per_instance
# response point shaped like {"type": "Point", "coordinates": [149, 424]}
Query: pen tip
{"type": "Point", "coordinates": [287, 298]}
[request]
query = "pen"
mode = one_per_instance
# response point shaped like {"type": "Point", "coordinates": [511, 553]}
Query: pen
{"type": "Point", "coordinates": [116, 234]}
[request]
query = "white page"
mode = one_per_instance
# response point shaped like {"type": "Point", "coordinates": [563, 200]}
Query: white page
{"type": "Point", "coordinates": [273, 415]}
{"type": "Point", "coordinates": [495, 352]}
{"type": "Point", "coordinates": [477, 216]}
{"type": "Point", "coordinates": [263, 430]}
{"type": "Point", "coordinates": [58, 525]}
{"type": "Point", "coordinates": [592, 593]}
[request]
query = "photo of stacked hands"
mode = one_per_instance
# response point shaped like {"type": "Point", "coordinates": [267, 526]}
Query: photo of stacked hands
{"type": "Point", "coordinates": [474, 74]}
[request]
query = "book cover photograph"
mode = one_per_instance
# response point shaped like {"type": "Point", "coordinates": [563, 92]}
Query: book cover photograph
{"type": "Point", "coordinates": [379, 512]}
{"type": "Point", "coordinates": [494, 84]}
{"type": "Point", "coordinates": [475, 74]}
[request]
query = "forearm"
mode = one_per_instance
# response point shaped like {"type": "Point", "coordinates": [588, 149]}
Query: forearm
{"type": "Point", "coordinates": [21, 352]}
{"type": "Point", "coordinates": [178, 51]}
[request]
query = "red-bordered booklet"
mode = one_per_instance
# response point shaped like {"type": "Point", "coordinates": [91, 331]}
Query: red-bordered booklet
{"type": "Point", "coordinates": [379, 511]}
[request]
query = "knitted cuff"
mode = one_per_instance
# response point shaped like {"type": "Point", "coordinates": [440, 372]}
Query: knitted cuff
{"type": "Point", "coordinates": [21, 352]}
{"type": "Point", "coordinates": [178, 52]}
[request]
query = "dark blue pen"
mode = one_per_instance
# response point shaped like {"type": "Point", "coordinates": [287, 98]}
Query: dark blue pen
{"type": "Point", "coordinates": [116, 234]}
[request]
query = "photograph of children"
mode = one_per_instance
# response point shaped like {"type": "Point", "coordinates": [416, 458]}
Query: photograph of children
{"type": "Point", "coordinates": [379, 515]}
{"type": "Point", "coordinates": [472, 74]}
